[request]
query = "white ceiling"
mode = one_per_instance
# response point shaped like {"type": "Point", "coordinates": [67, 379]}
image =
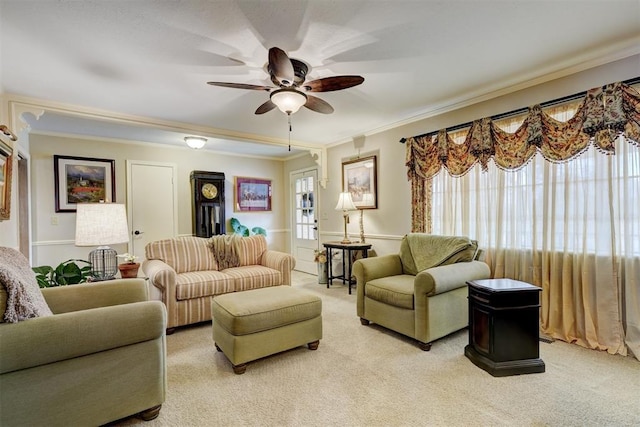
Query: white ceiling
{"type": "Point", "coordinates": [149, 61]}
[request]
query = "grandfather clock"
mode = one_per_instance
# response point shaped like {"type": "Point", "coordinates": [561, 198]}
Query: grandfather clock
{"type": "Point", "coordinates": [207, 193]}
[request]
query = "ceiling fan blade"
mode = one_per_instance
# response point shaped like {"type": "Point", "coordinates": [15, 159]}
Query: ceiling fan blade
{"type": "Point", "coordinates": [318, 105]}
{"type": "Point", "coordinates": [240, 86]}
{"type": "Point", "coordinates": [266, 107]}
{"type": "Point", "coordinates": [280, 66]}
{"type": "Point", "coordinates": [329, 84]}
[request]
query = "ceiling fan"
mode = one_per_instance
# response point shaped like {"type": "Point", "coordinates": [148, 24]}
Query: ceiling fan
{"type": "Point", "coordinates": [291, 91]}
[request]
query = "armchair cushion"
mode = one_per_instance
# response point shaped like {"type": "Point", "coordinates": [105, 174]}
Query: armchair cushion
{"type": "Point", "coordinates": [23, 297]}
{"type": "Point", "coordinates": [393, 290]}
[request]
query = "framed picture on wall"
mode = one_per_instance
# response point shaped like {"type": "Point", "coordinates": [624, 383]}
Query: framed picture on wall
{"type": "Point", "coordinates": [83, 180]}
{"type": "Point", "coordinates": [251, 194]}
{"type": "Point", "coordinates": [6, 161]}
{"type": "Point", "coordinates": [359, 177]}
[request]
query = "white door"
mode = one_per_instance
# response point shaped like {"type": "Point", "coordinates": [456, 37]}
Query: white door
{"type": "Point", "coordinates": [304, 189]}
{"type": "Point", "coordinates": [151, 203]}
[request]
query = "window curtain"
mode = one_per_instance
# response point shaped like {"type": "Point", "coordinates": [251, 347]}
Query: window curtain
{"type": "Point", "coordinates": [549, 208]}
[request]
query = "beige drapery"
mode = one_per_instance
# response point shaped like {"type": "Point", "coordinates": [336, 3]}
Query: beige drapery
{"type": "Point", "coordinates": [590, 286]}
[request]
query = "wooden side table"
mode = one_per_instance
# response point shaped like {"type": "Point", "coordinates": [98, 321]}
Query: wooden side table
{"type": "Point", "coordinates": [347, 263]}
{"type": "Point", "coordinates": [504, 331]}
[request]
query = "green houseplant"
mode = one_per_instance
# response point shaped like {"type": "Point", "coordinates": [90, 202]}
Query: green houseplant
{"type": "Point", "coordinates": [66, 273]}
{"type": "Point", "coordinates": [243, 230]}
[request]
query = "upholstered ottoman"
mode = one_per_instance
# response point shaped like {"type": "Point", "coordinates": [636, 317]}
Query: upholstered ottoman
{"type": "Point", "coordinates": [253, 324]}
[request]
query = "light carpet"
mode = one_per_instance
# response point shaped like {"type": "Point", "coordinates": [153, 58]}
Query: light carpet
{"type": "Point", "coordinates": [369, 376]}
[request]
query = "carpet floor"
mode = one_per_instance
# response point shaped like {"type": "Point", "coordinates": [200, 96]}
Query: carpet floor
{"type": "Point", "coordinates": [369, 376]}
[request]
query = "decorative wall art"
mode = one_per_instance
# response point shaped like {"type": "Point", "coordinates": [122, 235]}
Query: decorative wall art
{"type": "Point", "coordinates": [6, 161]}
{"type": "Point", "coordinates": [83, 180]}
{"type": "Point", "coordinates": [251, 194]}
{"type": "Point", "coordinates": [359, 177]}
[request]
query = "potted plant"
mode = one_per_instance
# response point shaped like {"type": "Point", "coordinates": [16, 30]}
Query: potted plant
{"type": "Point", "coordinates": [320, 257]}
{"type": "Point", "coordinates": [129, 268]}
{"type": "Point", "coordinates": [66, 273]}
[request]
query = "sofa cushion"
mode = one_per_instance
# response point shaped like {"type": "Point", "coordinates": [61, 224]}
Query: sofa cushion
{"type": "Point", "coordinates": [23, 297]}
{"type": "Point", "coordinates": [254, 276]}
{"type": "Point", "coordinates": [250, 249]}
{"type": "Point", "coordinates": [199, 284]}
{"type": "Point", "coordinates": [392, 290]}
{"type": "Point", "coordinates": [183, 254]}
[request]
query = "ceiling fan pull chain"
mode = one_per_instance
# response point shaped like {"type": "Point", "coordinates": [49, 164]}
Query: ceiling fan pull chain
{"type": "Point", "coordinates": [289, 119]}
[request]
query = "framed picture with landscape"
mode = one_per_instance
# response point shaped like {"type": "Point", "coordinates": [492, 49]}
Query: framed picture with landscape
{"type": "Point", "coordinates": [83, 180]}
{"type": "Point", "coordinates": [359, 177]}
{"type": "Point", "coordinates": [251, 194]}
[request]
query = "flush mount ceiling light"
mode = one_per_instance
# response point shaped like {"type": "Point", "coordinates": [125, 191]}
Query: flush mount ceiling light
{"type": "Point", "coordinates": [195, 142]}
{"type": "Point", "coordinates": [288, 100]}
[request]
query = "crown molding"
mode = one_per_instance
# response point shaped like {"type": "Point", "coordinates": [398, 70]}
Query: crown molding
{"type": "Point", "coordinates": [20, 104]}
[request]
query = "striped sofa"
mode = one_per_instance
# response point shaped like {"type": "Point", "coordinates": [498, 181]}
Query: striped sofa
{"type": "Point", "coordinates": [185, 276]}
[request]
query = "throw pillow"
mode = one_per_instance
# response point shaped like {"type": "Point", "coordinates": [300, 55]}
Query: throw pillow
{"type": "Point", "coordinates": [24, 299]}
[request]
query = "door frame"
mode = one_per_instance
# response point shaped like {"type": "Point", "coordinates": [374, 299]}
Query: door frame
{"type": "Point", "coordinates": [292, 206]}
{"type": "Point", "coordinates": [174, 179]}
{"type": "Point", "coordinates": [25, 186]}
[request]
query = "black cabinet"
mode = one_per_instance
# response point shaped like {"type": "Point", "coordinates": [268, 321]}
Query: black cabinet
{"type": "Point", "coordinates": [207, 193]}
{"type": "Point", "coordinates": [504, 327]}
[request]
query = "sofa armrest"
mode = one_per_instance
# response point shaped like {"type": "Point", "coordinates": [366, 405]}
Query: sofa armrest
{"type": "Point", "coordinates": [64, 299]}
{"type": "Point", "coordinates": [50, 339]}
{"type": "Point", "coordinates": [366, 269]}
{"type": "Point", "coordinates": [444, 278]}
{"type": "Point", "coordinates": [280, 261]}
{"type": "Point", "coordinates": [160, 274]}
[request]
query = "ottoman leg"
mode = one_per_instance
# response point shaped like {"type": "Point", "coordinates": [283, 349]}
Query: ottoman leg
{"type": "Point", "coordinates": [218, 348]}
{"type": "Point", "coordinates": [314, 345]}
{"type": "Point", "coordinates": [240, 369]}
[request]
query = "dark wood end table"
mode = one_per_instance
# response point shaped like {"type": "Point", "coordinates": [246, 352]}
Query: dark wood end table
{"type": "Point", "coordinates": [504, 330]}
{"type": "Point", "coordinates": [347, 263]}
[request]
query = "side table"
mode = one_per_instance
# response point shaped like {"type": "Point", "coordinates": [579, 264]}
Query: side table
{"type": "Point", "coordinates": [504, 331]}
{"type": "Point", "coordinates": [347, 249]}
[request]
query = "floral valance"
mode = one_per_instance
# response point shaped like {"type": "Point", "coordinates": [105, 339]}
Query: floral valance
{"type": "Point", "coordinates": [603, 115]}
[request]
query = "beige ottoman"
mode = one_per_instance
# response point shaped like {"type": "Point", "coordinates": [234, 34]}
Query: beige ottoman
{"type": "Point", "coordinates": [253, 324]}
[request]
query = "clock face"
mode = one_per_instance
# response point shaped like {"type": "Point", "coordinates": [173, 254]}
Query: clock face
{"type": "Point", "coordinates": [209, 191]}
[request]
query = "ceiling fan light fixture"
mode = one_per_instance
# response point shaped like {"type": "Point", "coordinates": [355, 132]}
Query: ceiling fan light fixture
{"type": "Point", "coordinates": [288, 100]}
{"type": "Point", "coordinates": [195, 142]}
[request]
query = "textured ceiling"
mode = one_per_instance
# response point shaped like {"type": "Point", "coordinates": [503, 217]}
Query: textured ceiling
{"type": "Point", "coordinates": [151, 60]}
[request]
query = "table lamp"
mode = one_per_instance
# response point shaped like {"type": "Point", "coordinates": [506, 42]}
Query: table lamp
{"type": "Point", "coordinates": [345, 204]}
{"type": "Point", "coordinates": [101, 224]}
{"type": "Point", "coordinates": [367, 200]}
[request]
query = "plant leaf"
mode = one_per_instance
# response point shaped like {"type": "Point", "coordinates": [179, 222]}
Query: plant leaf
{"type": "Point", "coordinates": [259, 230]}
{"type": "Point", "coordinates": [235, 224]}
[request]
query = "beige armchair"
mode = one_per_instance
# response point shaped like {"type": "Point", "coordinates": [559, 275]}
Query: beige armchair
{"type": "Point", "coordinates": [421, 292]}
{"type": "Point", "coordinates": [100, 357]}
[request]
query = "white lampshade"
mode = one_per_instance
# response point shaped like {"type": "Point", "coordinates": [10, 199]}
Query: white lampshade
{"type": "Point", "coordinates": [288, 100]}
{"type": "Point", "coordinates": [101, 224]}
{"type": "Point", "coordinates": [345, 203]}
{"type": "Point", "coordinates": [195, 141]}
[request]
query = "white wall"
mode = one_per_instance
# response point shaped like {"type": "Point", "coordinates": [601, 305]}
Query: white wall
{"type": "Point", "coordinates": [54, 243]}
